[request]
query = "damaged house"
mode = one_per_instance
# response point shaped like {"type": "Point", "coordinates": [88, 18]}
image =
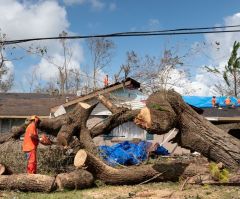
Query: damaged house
{"type": "Point", "coordinates": [16, 107]}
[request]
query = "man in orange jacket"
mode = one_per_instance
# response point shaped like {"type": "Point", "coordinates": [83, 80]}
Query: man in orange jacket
{"type": "Point", "coordinates": [228, 102]}
{"type": "Point", "coordinates": [106, 81]}
{"type": "Point", "coordinates": [30, 144]}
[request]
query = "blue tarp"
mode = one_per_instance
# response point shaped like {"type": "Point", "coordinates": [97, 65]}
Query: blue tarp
{"type": "Point", "coordinates": [206, 102]}
{"type": "Point", "coordinates": [128, 153]}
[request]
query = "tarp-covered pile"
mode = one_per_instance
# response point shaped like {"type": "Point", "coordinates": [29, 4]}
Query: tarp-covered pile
{"type": "Point", "coordinates": [206, 102]}
{"type": "Point", "coordinates": [128, 153]}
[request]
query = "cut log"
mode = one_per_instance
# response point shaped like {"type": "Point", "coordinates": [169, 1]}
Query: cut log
{"type": "Point", "coordinates": [169, 171]}
{"type": "Point", "coordinates": [80, 159]}
{"type": "Point", "coordinates": [4, 170]}
{"type": "Point", "coordinates": [28, 182]}
{"type": "Point", "coordinates": [78, 179]}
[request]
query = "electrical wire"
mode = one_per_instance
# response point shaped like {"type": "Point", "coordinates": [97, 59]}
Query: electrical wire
{"type": "Point", "coordinates": [181, 31]}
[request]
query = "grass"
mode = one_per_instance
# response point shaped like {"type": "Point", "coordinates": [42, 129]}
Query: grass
{"type": "Point", "coordinates": [152, 190]}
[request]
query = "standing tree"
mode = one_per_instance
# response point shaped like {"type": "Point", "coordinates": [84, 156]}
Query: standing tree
{"type": "Point", "coordinates": [6, 76]}
{"type": "Point", "coordinates": [127, 68]}
{"type": "Point", "coordinates": [101, 50]}
{"type": "Point", "coordinates": [63, 70]}
{"type": "Point", "coordinates": [155, 73]}
{"type": "Point", "coordinates": [230, 74]}
{"type": "Point", "coordinates": [74, 81]}
{"type": "Point", "coordinates": [66, 74]}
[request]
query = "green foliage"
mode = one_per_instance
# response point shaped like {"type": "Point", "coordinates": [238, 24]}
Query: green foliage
{"type": "Point", "coordinates": [212, 70]}
{"type": "Point", "coordinates": [231, 72]}
{"type": "Point", "coordinates": [221, 175]}
{"type": "Point", "coordinates": [157, 107]}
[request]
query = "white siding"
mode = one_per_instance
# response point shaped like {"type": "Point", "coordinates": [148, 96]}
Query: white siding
{"type": "Point", "coordinates": [128, 130]}
{"type": "Point", "coordinates": [132, 99]}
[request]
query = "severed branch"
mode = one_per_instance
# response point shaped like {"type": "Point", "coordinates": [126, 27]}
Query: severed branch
{"type": "Point", "coordinates": [73, 124]}
{"type": "Point", "coordinates": [162, 171]}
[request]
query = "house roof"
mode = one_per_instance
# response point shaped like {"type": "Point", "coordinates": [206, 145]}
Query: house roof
{"type": "Point", "coordinates": [128, 83]}
{"type": "Point", "coordinates": [22, 105]}
{"type": "Point", "coordinates": [223, 114]}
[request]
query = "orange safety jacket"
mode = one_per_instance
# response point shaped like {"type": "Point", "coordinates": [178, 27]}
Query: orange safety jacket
{"type": "Point", "coordinates": [213, 101]}
{"type": "Point", "coordinates": [105, 81]}
{"type": "Point", "coordinates": [29, 143]}
{"type": "Point", "coordinates": [227, 101]}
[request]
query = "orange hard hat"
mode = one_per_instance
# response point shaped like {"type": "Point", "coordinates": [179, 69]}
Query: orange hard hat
{"type": "Point", "coordinates": [33, 117]}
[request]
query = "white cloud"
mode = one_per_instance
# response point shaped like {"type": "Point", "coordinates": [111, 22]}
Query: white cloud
{"type": "Point", "coordinates": [41, 19]}
{"type": "Point", "coordinates": [95, 4]}
{"type": "Point", "coordinates": [48, 68]}
{"type": "Point", "coordinates": [71, 2]}
{"type": "Point", "coordinates": [221, 52]}
{"type": "Point", "coordinates": [220, 47]}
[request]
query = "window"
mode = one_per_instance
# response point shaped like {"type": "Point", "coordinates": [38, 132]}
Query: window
{"type": "Point", "coordinates": [149, 136]}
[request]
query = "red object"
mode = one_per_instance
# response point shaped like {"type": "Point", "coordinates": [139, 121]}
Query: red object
{"type": "Point", "coordinates": [227, 101]}
{"type": "Point", "coordinates": [30, 141]}
{"type": "Point", "coordinates": [213, 101]}
{"type": "Point", "coordinates": [45, 140]}
{"type": "Point", "coordinates": [32, 162]}
{"type": "Point", "coordinates": [106, 81]}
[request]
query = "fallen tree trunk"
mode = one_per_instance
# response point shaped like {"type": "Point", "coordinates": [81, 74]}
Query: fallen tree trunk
{"type": "Point", "coordinates": [15, 133]}
{"type": "Point", "coordinates": [49, 126]}
{"type": "Point", "coordinates": [78, 179]}
{"type": "Point", "coordinates": [161, 172]}
{"type": "Point", "coordinates": [166, 110]}
{"type": "Point", "coordinates": [197, 133]}
{"type": "Point", "coordinates": [28, 182]}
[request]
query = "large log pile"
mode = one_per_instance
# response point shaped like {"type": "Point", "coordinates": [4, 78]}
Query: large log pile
{"type": "Point", "coordinates": [164, 110]}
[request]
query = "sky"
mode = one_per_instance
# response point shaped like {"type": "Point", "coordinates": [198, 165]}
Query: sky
{"type": "Point", "coordinates": [41, 18]}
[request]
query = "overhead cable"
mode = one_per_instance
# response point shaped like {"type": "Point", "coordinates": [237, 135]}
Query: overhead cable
{"type": "Point", "coordinates": [183, 31]}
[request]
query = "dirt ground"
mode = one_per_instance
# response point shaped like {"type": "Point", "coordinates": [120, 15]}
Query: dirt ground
{"type": "Point", "coordinates": [150, 191]}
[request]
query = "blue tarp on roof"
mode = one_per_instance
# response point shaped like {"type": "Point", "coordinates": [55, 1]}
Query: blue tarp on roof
{"type": "Point", "coordinates": [206, 102]}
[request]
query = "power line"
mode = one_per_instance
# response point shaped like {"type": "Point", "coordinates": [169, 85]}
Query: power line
{"type": "Point", "coordinates": [182, 31]}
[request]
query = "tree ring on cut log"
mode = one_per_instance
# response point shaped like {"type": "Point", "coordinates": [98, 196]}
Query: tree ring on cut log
{"type": "Point", "coordinates": [80, 158]}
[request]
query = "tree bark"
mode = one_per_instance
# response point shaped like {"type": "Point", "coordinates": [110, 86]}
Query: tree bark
{"type": "Point", "coordinates": [28, 182]}
{"type": "Point", "coordinates": [113, 121]}
{"type": "Point", "coordinates": [78, 179]}
{"type": "Point", "coordinates": [166, 110]}
{"type": "Point", "coordinates": [49, 126]}
{"type": "Point", "coordinates": [73, 123]}
{"type": "Point", "coordinates": [161, 172]}
{"type": "Point", "coordinates": [195, 132]}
